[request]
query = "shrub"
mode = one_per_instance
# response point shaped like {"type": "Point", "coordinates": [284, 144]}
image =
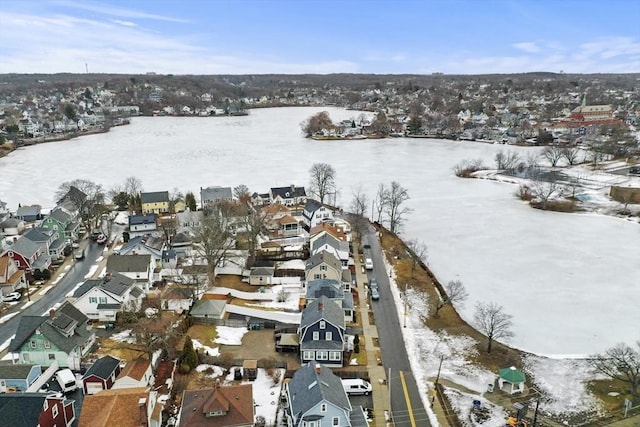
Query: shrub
{"type": "Point", "coordinates": [356, 348]}
{"type": "Point", "coordinates": [356, 339]}
{"type": "Point", "coordinates": [465, 168]}
{"type": "Point", "coordinates": [185, 368]}
{"type": "Point", "coordinates": [524, 193]}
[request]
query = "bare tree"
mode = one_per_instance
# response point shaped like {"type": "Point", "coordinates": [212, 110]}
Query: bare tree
{"type": "Point", "coordinates": [396, 210]}
{"type": "Point", "coordinates": [133, 186]}
{"type": "Point", "coordinates": [507, 160]}
{"type": "Point", "coordinates": [359, 206]}
{"type": "Point", "coordinates": [622, 363]}
{"type": "Point", "coordinates": [323, 180]}
{"type": "Point", "coordinates": [242, 194]}
{"type": "Point", "coordinates": [382, 196]}
{"type": "Point", "coordinates": [254, 223]}
{"type": "Point", "coordinates": [544, 191]}
{"type": "Point", "coordinates": [317, 123]}
{"type": "Point", "coordinates": [532, 160]}
{"type": "Point", "coordinates": [553, 154]}
{"type": "Point", "coordinates": [420, 253]}
{"type": "Point", "coordinates": [213, 239]}
{"type": "Point", "coordinates": [175, 197]}
{"type": "Point", "coordinates": [455, 294]}
{"type": "Point", "coordinates": [571, 155]}
{"type": "Point", "coordinates": [491, 320]}
{"type": "Point", "coordinates": [169, 227]}
{"type": "Point", "coordinates": [84, 196]}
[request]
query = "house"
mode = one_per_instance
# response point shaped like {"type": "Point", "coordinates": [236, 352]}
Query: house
{"type": "Point", "coordinates": [62, 223]}
{"type": "Point", "coordinates": [11, 277]}
{"type": "Point", "coordinates": [334, 230]}
{"type": "Point", "coordinates": [136, 267]}
{"type": "Point", "coordinates": [31, 213]}
{"type": "Point", "coordinates": [177, 298]}
{"type": "Point", "coordinates": [288, 196]}
{"type": "Point", "coordinates": [74, 200]}
{"type": "Point", "coordinates": [220, 406]}
{"type": "Point", "coordinates": [288, 226]}
{"type": "Point", "coordinates": [323, 265]}
{"type": "Point", "coordinates": [212, 309]}
{"type": "Point", "coordinates": [315, 213]}
{"type": "Point", "coordinates": [140, 225]}
{"type": "Point", "coordinates": [18, 377]}
{"type": "Point", "coordinates": [102, 299]}
{"type": "Point", "coordinates": [188, 221]}
{"type": "Point", "coordinates": [335, 291]}
{"type": "Point", "coordinates": [181, 243]}
{"type": "Point", "coordinates": [129, 407]}
{"type": "Point", "coordinates": [211, 195]}
{"type": "Point", "coordinates": [101, 375]}
{"type": "Point", "coordinates": [315, 397]}
{"type": "Point", "coordinates": [169, 259]}
{"type": "Point", "coordinates": [144, 245]}
{"type": "Point", "coordinates": [260, 199]}
{"type": "Point", "coordinates": [322, 332]}
{"type": "Point", "coordinates": [156, 202]}
{"type": "Point", "coordinates": [64, 337]}
{"type": "Point", "coordinates": [261, 276]}
{"type": "Point", "coordinates": [28, 255]}
{"type": "Point", "coordinates": [326, 242]}
{"type": "Point", "coordinates": [12, 226]}
{"type": "Point", "coordinates": [49, 238]}
{"type": "Point", "coordinates": [136, 373]}
{"type": "Point", "coordinates": [36, 409]}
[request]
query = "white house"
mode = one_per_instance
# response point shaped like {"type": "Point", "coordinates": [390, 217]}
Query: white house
{"type": "Point", "coordinates": [101, 299]}
{"type": "Point", "coordinates": [136, 373]}
{"type": "Point", "coordinates": [316, 213]}
{"type": "Point", "coordinates": [140, 225]}
{"type": "Point", "coordinates": [137, 267]}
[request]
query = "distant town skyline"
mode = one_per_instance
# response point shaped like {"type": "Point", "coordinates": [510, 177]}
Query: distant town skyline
{"type": "Point", "coordinates": [299, 37]}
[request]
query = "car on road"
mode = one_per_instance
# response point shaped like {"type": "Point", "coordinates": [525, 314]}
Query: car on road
{"type": "Point", "coordinates": [368, 264]}
{"type": "Point", "coordinates": [101, 240]}
{"type": "Point", "coordinates": [375, 294]}
{"type": "Point", "coordinates": [79, 256]}
{"type": "Point", "coordinates": [11, 297]}
{"type": "Point", "coordinates": [75, 245]}
{"type": "Point", "coordinates": [634, 170]}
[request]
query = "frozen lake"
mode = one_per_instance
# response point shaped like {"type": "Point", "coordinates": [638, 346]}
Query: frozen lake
{"type": "Point", "coordinates": [572, 282]}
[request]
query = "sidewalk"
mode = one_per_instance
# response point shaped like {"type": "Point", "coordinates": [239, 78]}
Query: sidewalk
{"type": "Point", "coordinates": [376, 370]}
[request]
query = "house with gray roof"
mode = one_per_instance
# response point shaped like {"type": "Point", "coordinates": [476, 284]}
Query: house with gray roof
{"type": "Point", "coordinates": [49, 238]}
{"type": "Point", "coordinates": [315, 213]}
{"type": "Point", "coordinates": [141, 225]}
{"type": "Point", "coordinates": [29, 256]}
{"type": "Point", "coordinates": [156, 202]}
{"type": "Point", "coordinates": [211, 195]}
{"type": "Point", "coordinates": [322, 332]}
{"type": "Point", "coordinates": [36, 409]}
{"type": "Point", "coordinates": [323, 265]}
{"type": "Point", "coordinates": [11, 226]}
{"type": "Point", "coordinates": [315, 397]}
{"type": "Point", "coordinates": [207, 310]}
{"type": "Point", "coordinates": [101, 375]}
{"type": "Point", "coordinates": [288, 196]}
{"type": "Point", "coordinates": [102, 299]}
{"type": "Point", "coordinates": [144, 245]}
{"type": "Point", "coordinates": [61, 222]}
{"type": "Point", "coordinates": [337, 247]}
{"type": "Point", "coordinates": [30, 213]}
{"type": "Point", "coordinates": [137, 267]}
{"type": "Point", "coordinates": [17, 377]}
{"type": "Point", "coordinates": [64, 337]}
{"type": "Point", "coordinates": [335, 291]}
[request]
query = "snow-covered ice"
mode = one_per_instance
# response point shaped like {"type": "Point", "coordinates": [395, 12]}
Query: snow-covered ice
{"type": "Point", "coordinates": [553, 272]}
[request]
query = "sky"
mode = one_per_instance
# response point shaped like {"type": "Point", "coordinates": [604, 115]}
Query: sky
{"type": "Point", "coordinates": [313, 36]}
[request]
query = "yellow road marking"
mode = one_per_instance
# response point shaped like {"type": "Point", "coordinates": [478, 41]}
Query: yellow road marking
{"type": "Point", "coordinates": [406, 398]}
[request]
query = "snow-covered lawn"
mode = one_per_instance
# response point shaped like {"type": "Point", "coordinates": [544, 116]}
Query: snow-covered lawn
{"type": "Point", "coordinates": [229, 336]}
{"type": "Point", "coordinates": [124, 336]}
{"type": "Point", "coordinates": [211, 351]}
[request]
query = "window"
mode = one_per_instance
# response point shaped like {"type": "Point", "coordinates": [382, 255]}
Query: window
{"type": "Point", "coordinates": [323, 268]}
{"type": "Point", "coordinates": [323, 407]}
{"type": "Point", "coordinates": [25, 357]}
{"type": "Point", "coordinates": [317, 276]}
{"type": "Point", "coordinates": [93, 300]}
{"type": "Point", "coordinates": [328, 336]}
{"type": "Point", "coordinates": [323, 324]}
{"type": "Point", "coordinates": [52, 356]}
{"type": "Point", "coordinates": [102, 300]}
{"type": "Point", "coordinates": [322, 355]}
{"type": "Point", "coordinates": [47, 344]}
{"type": "Point", "coordinates": [307, 355]}
{"type": "Point", "coordinates": [54, 411]}
{"type": "Point", "coordinates": [336, 421]}
{"type": "Point", "coordinates": [316, 335]}
{"type": "Point", "coordinates": [46, 404]}
{"type": "Point", "coordinates": [33, 344]}
{"type": "Point", "coordinates": [334, 355]}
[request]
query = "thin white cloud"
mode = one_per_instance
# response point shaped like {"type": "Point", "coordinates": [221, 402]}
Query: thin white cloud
{"type": "Point", "coordinates": [530, 47]}
{"type": "Point", "coordinates": [124, 23]}
{"type": "Point", "coordinates": [116, 11]}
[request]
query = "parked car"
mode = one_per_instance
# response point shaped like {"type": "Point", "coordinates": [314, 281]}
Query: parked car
{"type": "Point", "coordinates": [634, 170]}
{"type": "Point", "coordinates": [101, 240]}
{"type": "Point", "coordinates": [356, 386]}
{"type": "Point", "coordinates": [67, 380]}
{"type": "Point", "coordinates": [375, 294]}
{"type": "Point", "coordinates": [79, 255]}
{"type": "Point", "coordinates": [368, 264]}
{"type": "Point", "coordinates": [11, 297]}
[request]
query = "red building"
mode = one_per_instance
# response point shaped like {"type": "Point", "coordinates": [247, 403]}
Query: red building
{"type": "Point", "coordinates": [36, 409]}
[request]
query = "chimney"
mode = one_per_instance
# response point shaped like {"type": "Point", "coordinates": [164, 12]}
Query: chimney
{"type": "Point", "coordinates": [320, 306]}
{"type": "Point", "coordinates": [52, 313]}
{"type": "Point", "coordinates": [318, 368]}
{"type": "Point", "coordinates": [107, 276]}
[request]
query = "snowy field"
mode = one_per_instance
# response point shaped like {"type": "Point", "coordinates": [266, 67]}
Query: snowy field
{"type": "Point", "coordinates": [570, 280]}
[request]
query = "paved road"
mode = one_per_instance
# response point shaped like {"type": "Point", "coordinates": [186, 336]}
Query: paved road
{"type": "Point", "coordinates": [406, 406]}
{"type": "Point", "coordinates": [57, 293]}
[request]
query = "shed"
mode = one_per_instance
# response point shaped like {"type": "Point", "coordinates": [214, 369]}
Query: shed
{"type": "Point", "coordinates": [250, 368]}
{"type": "Point", "coordinates": [511, 380]}
{"type": "Point", "coordinates": [261, 276]}
{"type": "Point", "coordinates": [101, 375]}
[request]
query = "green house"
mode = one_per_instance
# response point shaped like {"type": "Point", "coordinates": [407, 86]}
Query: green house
{"type": "Point", "coordinates": [64, 336]}
{"type": "Point", "coordinates": [62, 223]}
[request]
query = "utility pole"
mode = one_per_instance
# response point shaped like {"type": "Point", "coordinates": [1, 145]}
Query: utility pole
{"type": "Point", "coordinates": [405, 307]}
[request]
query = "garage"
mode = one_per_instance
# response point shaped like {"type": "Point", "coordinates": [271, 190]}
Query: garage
{"type": "Point", "coordinates": [93, 387]}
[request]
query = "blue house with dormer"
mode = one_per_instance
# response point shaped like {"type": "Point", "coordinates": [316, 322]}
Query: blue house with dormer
{"type": "Point", "coordinates": [322, 333]}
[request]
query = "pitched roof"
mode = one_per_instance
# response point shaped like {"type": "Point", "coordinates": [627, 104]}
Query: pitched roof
{"type": "Point", "coordinates": [26, 327]}
{"type": "Point", "coordinates": [324, 257]}
{"type": "Point", "coordinates": [22, 409]}
{"type": "Point", "coordinates": [103, 367]}
{"type": "Point", "coordinates": [313, 384]}
{"type": "Point", "coordinates": [236, 401]}
{"type": "Point", "coordinates": [512, 375]}
{"type": "Point", "coordinates": [328, 228]}
{"type": "Point", "coordinates": [322, 309]}
{"type": "Point", "coordinates": [208, 306]}
{"type": "Point", "coordinates": [326, 239]}
{"type": "Point", "coordinates": [154, 197]}
{"type": "Point", "coordinates": [32, 210]}
{"type": "Point", "coordinates": [114, 407]}
{"type": "Point", "coordinates": [60, 215]}
{"type": "Point", "coordinates": [135, 368]}
{"type": "Point", "coordinates": [114, 283]}
{"type": "Point", "coordinates": [328, 287]}
{"type": "Point", "coordinates": [24, 247]}
{"type": "Point", "coordinates": [215, 193]}
{"type": "Point", "coordinates": [288, 192]}
{"type": "Point", "coordinates": [142, 219]}
{"type": "Point", "coordinates": [128, 263]}
{"type": "Point", "coordinates": [312, 205]}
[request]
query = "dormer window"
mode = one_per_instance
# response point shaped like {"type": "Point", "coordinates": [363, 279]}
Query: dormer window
{"type": "Point", "coordinates": [215, 414]}
{"type": "Point", "coordinates": [323, 324]}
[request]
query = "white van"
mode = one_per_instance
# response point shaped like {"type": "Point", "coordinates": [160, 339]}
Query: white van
{"type": "Point", "coordinates": [356, 386]}
{"type": "Point", "coordinates": [368, 264]}
{"type": "Point", "coordinates": [67, 380]}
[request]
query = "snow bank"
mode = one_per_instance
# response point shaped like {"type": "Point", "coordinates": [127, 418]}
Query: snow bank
{"type": "Point", "coordinates": [124, 336]}
{"type": "Point", "coordinates": [211, 351]}
{"type": "Point", "coordinates": [229, 336]}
